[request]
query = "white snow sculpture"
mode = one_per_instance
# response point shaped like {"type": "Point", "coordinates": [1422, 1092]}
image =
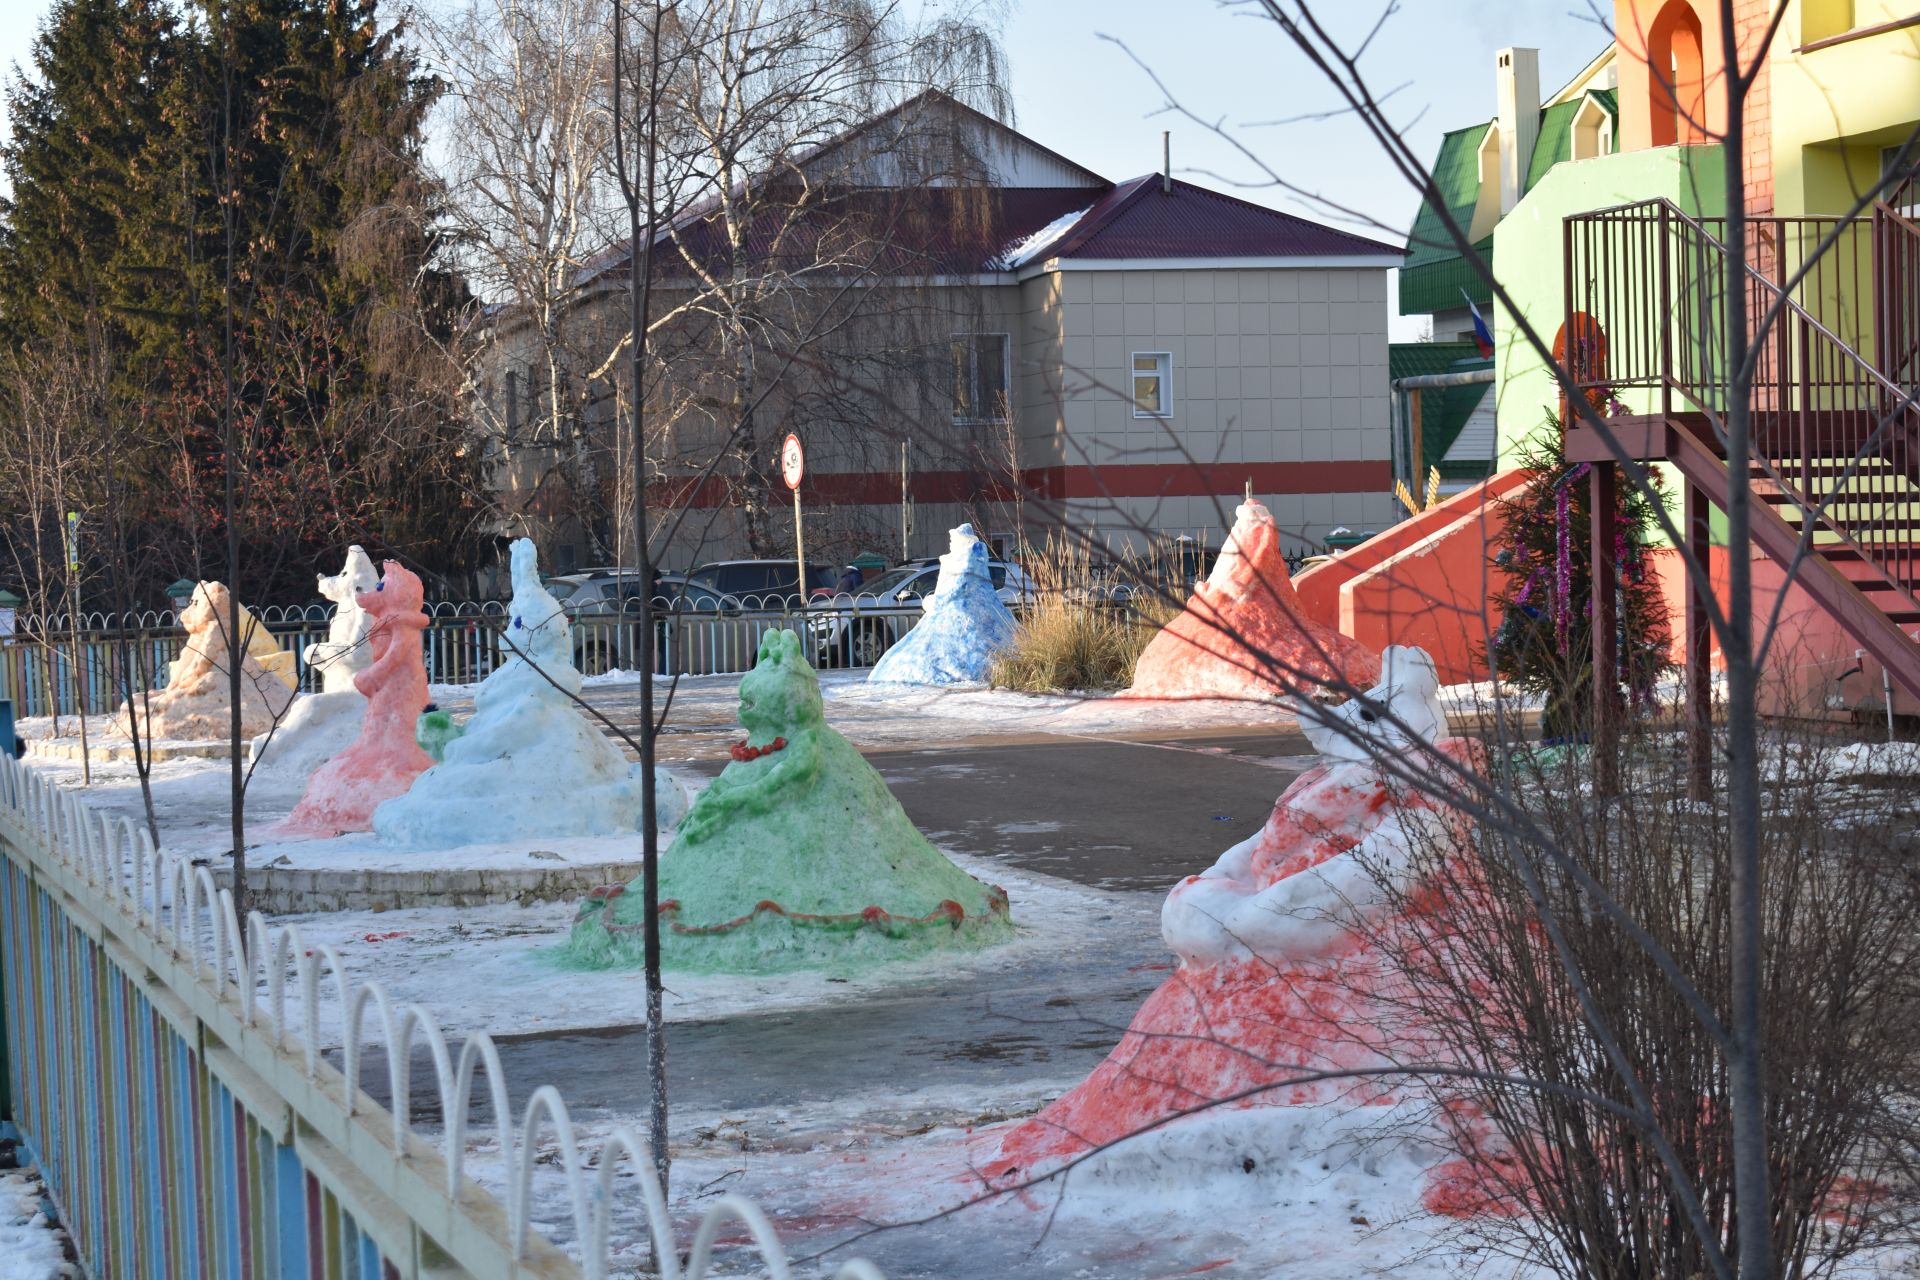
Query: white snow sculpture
{"type": "Point", "coordinates": [1239, 909]}
{"type": "Point", "coordinates": [1409, 689]}
{"type": "Point", "coordinates": [344, 652]}
{"type": "Point", "coordinates": [528, 764]}
{"type": "Point", "coordinates": [319, 726]}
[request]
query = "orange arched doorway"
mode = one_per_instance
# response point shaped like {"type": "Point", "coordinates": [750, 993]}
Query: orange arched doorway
{"type": "Point", "coordinates": [1676, 81]}
{"type": "Point", "coordinates": [1580, 348]}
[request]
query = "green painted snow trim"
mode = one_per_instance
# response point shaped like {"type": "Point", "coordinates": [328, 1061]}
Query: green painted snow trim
{"type": "Point", "coordinates": [783, 861]}
{"type": "Point", "coordinates": [434, 731]}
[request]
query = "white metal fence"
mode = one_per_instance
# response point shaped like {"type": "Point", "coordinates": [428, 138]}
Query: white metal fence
{"type": "Point", "coordinates": [186, 1126]}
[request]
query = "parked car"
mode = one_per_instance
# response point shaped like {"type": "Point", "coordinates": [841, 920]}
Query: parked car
{"type": "Point", "coordinates": [853, 630]}
{"type": "Point", "coordinates": [763, 584]}
{"type": "Point", "coordinates": [594, 591]}
{"type": "Point", "coordinates": [697, 630]}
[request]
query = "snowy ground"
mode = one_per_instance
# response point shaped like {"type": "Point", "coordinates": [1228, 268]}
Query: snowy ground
{"type": "Point", "coordinates": [31, 1248]}
{"type": "Point", "coordinates": [848, 1102]}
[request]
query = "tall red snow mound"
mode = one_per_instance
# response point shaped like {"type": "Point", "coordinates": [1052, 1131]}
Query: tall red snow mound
{"type": "Point", "coordinates": [385, 759]}
{"type": "Point", "coordinates": [1284, 971]}
{"type": "Point", "coordinates": [1244, 633]}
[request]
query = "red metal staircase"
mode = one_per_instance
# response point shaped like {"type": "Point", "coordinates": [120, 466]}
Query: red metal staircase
{"type": "Point", "coordinates": [1835, 467]}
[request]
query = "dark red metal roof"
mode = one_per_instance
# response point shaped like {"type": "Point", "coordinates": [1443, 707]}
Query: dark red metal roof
{"type": "Point", "coordinates": [961, 231]}
{"type": "Point", "coordinates": [1138, 219]}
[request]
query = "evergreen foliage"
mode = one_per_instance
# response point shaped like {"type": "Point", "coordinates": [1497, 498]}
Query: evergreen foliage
{"type": "Point", "coordinates": [152, 143]}
{"type": "Point", "coordinates": [1544, 641]}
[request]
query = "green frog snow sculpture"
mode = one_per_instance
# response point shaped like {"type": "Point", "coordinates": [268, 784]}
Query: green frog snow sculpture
{"type": "Point", "coordinates": [796, 857]}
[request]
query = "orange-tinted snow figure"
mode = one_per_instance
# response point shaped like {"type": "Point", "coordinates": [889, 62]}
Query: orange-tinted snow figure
{"type": "Point", "coordinates": [1244, 634]}
{"type": "Point", "coordinates": [1286, 947]}
{"type": "Point", "coordinates": [197, 700]}
{"type": "Point", "coordinates": [385, 759]}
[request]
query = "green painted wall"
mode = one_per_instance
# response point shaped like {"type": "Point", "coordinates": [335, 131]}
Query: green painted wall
{"type": "Point", "coordinates": [1528, 244]}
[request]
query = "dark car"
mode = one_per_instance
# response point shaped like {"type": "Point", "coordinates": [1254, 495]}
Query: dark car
{"type": "Point", "coordinates": [764, 584]}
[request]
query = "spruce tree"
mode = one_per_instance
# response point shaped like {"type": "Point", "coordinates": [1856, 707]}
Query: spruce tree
{"type": "Point", "coordinates": [1544, 641]}
{"type": "Point", "coordinates": [82, 164]}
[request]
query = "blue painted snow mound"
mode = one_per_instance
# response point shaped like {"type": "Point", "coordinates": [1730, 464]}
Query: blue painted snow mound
{"type": "Point", "coordinates": [964, 626]}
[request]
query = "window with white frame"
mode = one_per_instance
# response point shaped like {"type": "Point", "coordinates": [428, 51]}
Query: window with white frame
{"type": "Point", "coordinates": [982, 377]}
{"type": "Point", "coordinates": [1152, 384]}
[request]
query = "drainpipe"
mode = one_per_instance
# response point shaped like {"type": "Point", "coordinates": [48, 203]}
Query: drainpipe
{"type": "Point", "coordinates": [1407, 433]}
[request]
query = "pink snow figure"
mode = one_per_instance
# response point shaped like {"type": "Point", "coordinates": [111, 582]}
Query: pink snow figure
{"type": "Point", "coordinates": [1244, 633]}
{"type": "Point", "coordinates": [1287, 952]}
{"type": "Point", "coordinates": [385, 759]}
{"type": "Point", "coordinates": [197, 701]}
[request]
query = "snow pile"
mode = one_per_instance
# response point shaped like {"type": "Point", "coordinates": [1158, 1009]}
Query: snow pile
{"type": "Point", "coordinates": [527, 764]}
{"type": "Point", "coordinates": [1285, 966]}
{"type": "Point", "coordinates": [196, 703]}
{"type": "Point", "coordinates": [1871, 760]}
{"type": "Point", "coordinates": [964, 625]}
{"type": "Point", "coordinates": [31, 1248]}
{"type": "Point", "coordinates": [384, 757]}
{"type": "Point", "coordinates": [1244, 635]}
{"type": "Point", "coordinates": [319, 726]}
{"type": "Point", "coordinates": [797, 856]}
{"type": "Point", "coordinates": [1030, 247]}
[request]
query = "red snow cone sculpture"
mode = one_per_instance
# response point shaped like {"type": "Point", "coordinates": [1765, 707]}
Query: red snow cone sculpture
{"type": "Point", "coordinates": [1285, 954]}
{"type": "Point", "coordinates": [385, 759]}
{"type": "Point", "coordinates": [1243, 634]}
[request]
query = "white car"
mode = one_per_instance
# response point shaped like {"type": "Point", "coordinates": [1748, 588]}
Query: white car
{"type": "Point", "coordinates": [852, 629]}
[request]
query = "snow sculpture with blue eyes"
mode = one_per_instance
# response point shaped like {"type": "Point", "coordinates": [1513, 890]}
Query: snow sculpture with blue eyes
{"type": "Point", "coordinates": [964, 626]}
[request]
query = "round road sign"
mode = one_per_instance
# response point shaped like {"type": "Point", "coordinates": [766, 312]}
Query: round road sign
{"type": "Point", "coordinates": [793, 461]}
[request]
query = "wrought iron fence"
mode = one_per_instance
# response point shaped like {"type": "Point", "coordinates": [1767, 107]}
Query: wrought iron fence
{"type": "Point", "coordinates": [50, 668]}
{"type": "Point", "coordinates": [187, 1125]}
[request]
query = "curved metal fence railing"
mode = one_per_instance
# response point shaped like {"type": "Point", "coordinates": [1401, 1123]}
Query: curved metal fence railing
{"type": "Point", "coordinates": [186, 1123]}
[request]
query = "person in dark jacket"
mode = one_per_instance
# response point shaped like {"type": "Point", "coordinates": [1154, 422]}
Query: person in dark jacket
{"type": "Point", "coordinates": [850, 580]}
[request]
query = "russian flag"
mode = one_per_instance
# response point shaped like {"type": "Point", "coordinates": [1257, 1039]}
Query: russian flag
{"type": "Point", "coordinates": [1482, 333]}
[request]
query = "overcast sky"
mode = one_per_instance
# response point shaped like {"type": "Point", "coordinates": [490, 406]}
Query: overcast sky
{"type": "Point", "coordinates": [1081, 93]}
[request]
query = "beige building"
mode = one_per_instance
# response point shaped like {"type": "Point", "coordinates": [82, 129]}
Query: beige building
{"type": "Point", "coordinates": [1033, 346]}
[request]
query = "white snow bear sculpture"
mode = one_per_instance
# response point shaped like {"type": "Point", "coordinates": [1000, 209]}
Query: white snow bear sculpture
{"type": "Point", "coordinates": [321, 725]}
{"type": "Point", "coordinates": [1249, 905]}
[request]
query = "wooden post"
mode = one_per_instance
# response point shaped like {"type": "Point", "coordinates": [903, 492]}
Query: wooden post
{"type": "Point", "coordinates": [1606, 666]}
{"type": "Point", "coordinates": [1699, 690]}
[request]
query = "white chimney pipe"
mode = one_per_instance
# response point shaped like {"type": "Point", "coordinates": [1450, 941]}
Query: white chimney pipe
{"type": "Point", "coordinates": [1517, 78]}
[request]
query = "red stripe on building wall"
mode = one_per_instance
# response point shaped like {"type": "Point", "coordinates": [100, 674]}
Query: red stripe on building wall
{"type": "Point", "coordinates": [1133, 480]}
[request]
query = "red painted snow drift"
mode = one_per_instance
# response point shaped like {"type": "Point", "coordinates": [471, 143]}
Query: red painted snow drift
{"type": "Point", "coordinates": [385, 759]}
{"type": "Point", "coordinates": [1244, 634]}
{"type": "Point", "coordinates": [1286, 970]}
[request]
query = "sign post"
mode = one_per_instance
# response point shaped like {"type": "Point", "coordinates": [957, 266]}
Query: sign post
{"type": "Point", "coordinates": [793, 465]}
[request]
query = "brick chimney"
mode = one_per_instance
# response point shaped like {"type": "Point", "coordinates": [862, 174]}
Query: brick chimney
{"type": "Point", "coordinates": [1517, 78]}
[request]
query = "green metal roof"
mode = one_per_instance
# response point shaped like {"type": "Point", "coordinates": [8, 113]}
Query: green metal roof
{"type": "Point", "coordinates": [1555, 140]}
{"type": "Point", "coordinates": [1436, 286]}
{"type": "Point", "coordinates": [1443, 410]}
{"type": "Point", "coordinates": [1456, 178]}
{"type": "Point", "coordinates": [1413, 359]}
{"type": "Point", "coordinates": [1435, 274]}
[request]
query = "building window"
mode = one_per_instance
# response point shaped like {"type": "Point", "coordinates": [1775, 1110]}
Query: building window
{"type": "Point", "coordinates": [1152, 384]}
{"type": "Point", "coordinates": [981, 377]}
{"type": "Point", "coordinates": [513, 401]}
